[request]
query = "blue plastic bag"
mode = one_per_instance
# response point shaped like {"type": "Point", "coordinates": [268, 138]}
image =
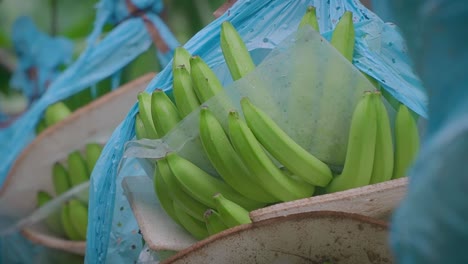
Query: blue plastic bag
{"type": "Point", "coordinates": [379, 51]}
{"type": "Point", "coordinates": [39, 58]}
{"type": "Point", "coordinates": [431, 224]}
{"type": "Point", "coordinates": [101, 59]}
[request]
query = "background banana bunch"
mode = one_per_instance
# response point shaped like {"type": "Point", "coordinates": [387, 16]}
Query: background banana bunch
{"type": "Point", "coordinates": [71, 220]}
{"type": "Point", "coordinates": [258, 163]}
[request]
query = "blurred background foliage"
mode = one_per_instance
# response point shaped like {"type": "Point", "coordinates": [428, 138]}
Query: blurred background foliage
{"type": "Point", "coordinates": [74, 20]}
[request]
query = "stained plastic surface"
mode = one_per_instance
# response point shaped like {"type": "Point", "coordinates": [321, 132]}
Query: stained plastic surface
{"type": "Point", "coordinates": [102, 58]}
{"type": "Point", "coordinates": [430, 226]}
{"type": "Point", "coordinates": [379, 51]}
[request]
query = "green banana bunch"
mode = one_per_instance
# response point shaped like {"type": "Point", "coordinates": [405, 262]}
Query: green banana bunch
{"type": "Point", "coordinates": [77, 168]}
{"type": "Point", "coordinates": [230, 212]}
{"type": "Point", "coordinates": [164, 113]}
{"type": "Point", "coordinates": [205, 82]}
{"type": "Point", "coordinates": [52, 221]}
{"type": "Point", "coordinates": [359, 161]}
{"type": "Point", "coordinates": [343, 36]}
{"type": "Point", "coordinates": [92, 153]}
{"type": "Point", "coordinates": [55, 113]}
{"type": "Point", "coordinates": [195, 227]}
{"type": "Point", "coordinates": [284, 148]}
{"type": "Point", "coordinates": [60, 178]}
{"type": "Point", "coordinates": [310, 18]}
{"type": "Point", "coordinates": [226, 161]}
{"type": "Point", "coordinates": [78, 217]}
{"type": "Point", "coordinates": [235, 52]}
{"type": "Point", "coordinates": [383, 157]}
{"type": "Point", "coordinates": [68, 227]}
{"type": "Point", "coordinates": [144, 107]}
{"type": "Point", "coordinates": [406, 141]}
{"type": "Point", "coordinates": [190, 205]}
{"type": "Point", "coordinates": [185, 97]}
{"type": "Point", "coordinates": [213, 221]}
{"type": "Point", "coordinates": [203, 186]}
{"type": "Point", "coordinates": [257, 161]}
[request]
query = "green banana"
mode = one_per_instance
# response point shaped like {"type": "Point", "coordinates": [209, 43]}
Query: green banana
{"type": "Point", "coordinates": [226, 161]}
{"type": "Point", "coordinates": [230, 212]}
{"type": "Point", "coordinates": [92, 153]}
{"type": "Point", "coordinates": [383, 157]}
{"type": "Point", "coordinates": [185, 97]}
{"type": "Point", "coordinates": [189, 204]}
{"type": "Point", "coordinates": [70, 231]}
{"type": "Point", "coordinates": [144, 108]}
{"type": "Point", "coordinates": [406, 141]}
{"type": "Point", "coordinates": [205, 82]}
{"type": "Point", "coordinates": [310, 18]}
{"type": "Point", "coordinates": [284, 148]}
{"type": "Point", "coordinates": [181, 58]}
{"type": "Point", "coordinates": [359, 161]}
{"type": "Point", "coordinates": [235, 52]}
{"type": "Point", "coordinates": [203, 186]}
{"type": "Point", "coordinates": [55, 113]}
{"type": "Point", "coordinates": [164, 196]}
{"type": "Point", "coordinates": [257, 161]}
{"type": "Point", "coordinates": [78, 216]}
{"type": "Point", "coordinates": [193, 226]}
{"type": "Point", "coordinates": [60, 178]}
{"type": "Point", "coordinates": [139, 127]}
{"type": "Point", "coordinates": [53, 220]}
{"type": "Point", "coordinates": [77, 169]}
{"type": "Point", "coordinates": [164, 112]}
{"type": "Point", "coordinates": [214, 223]}
{"type": "Point", "coordinates": [343, 36]}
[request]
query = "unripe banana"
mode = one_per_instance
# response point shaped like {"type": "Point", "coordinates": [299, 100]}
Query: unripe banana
{"type": "Point", "coordinates": [359, 161]}
{"type": "Point", "coordinates": [78, 215]}
{"type": "Point", "coordinates": [56, 113]}
{"type": "Point", "coordinates": [189, 204]}
{"type": "Point", "coordinates": [214, 223]}
{"type": "Point", "coordinates": [226, 161]}
{"type": "Point", "coordinates": [257, 161]}
{"type": "Point", "coordinates": [139, 128]}
{"type": "Point", "coordinates": [181, 57]}
{"type": "Point", "coordinates": [205, 82]}
{"type": "Point", "coordinates": [310, 18]}
{"type": "Point", "coordinates": [60, 178]}
{"type": "Point", "coordinates": [406, 141]}
{"type": "Point", "coordinates": [144, 108]}
{"type": "Point", "coordinates": [184, 94]}
{"type": "Point", "coordinates": [164, 196]}
{"type": "Point", "coordinates": [92, 153]}
{"type": "Point", "coordinates": [230, 212]}
{"type": "Point", "coordinates": [70, 231]}
{"type": "Point", "coordinates": [284, 148]}
{"type": "Point", "coordinates": [77, 169]}
{"type": "Point", "coordinates": [164, 112]}
{"type": "Point", "coordinates": [53, 220]}
{"type": "Point", "coordinates": [383, 161]}
{"type": "Point", "coordinates": [343, 36]}
{"type": "Point", "coordinates": [235, 52]}
{"type": "Point", "coordinates": [193, 226]}
{"type": "Point", "coordinates": [203, 186]}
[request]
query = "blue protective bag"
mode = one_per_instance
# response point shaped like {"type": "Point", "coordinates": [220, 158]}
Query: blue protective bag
{"type": "Point", "coordinates": [431, 224]}
{"type": "Point", "coordinates": [380, 52]}
{"type": "Point", "coordinates": [102, 58]}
